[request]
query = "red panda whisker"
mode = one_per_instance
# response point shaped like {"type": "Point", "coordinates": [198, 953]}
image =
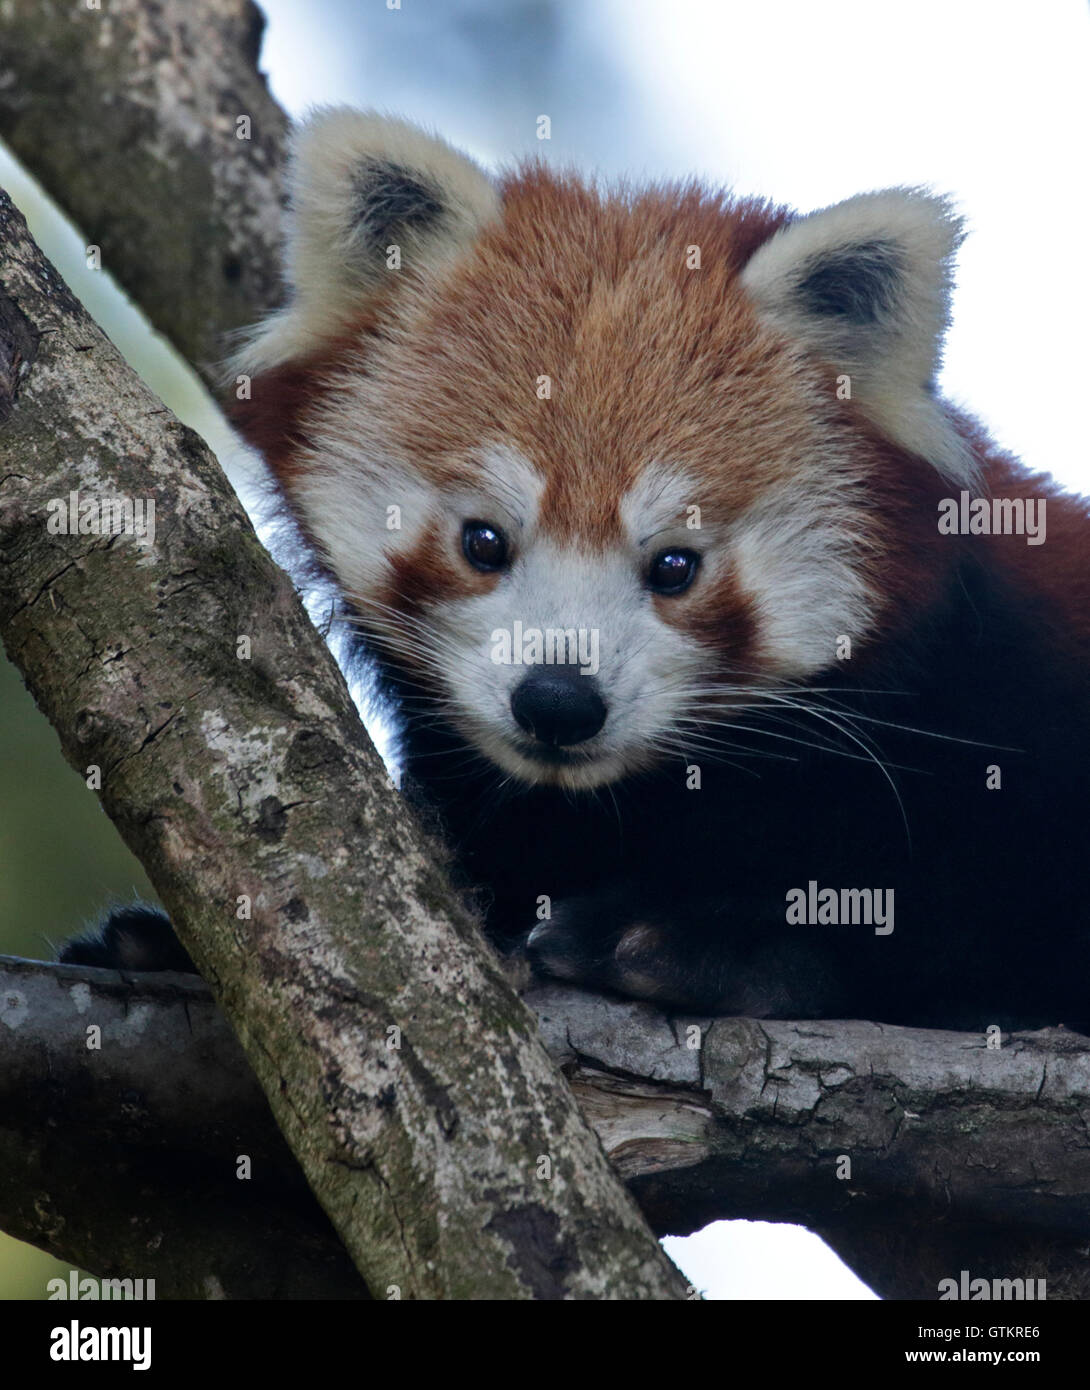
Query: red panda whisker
{"type": "Point", "coordinates": [832, 747]}
{"type": "Point", "coordinates": [929, 733]}
{"type": "Point", "coordinates": [823, 747]}
{"type": "Point", "coordinates": [867, 747]}
{"type": "Point", "coordinates": [686, 748]}
{"type": "Point", "coordinates": [851, 716]}
{"type": "Point", "coordinates": [714, 754]}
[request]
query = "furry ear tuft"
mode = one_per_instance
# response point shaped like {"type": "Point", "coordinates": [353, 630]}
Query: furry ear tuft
{"type": "Point", "coordinates": [360, 183]}
{"type": "Point", "coordinates": [866, 285]}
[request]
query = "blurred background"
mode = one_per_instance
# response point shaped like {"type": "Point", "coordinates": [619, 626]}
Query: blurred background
{"type": "Point", "coordinates": [801, 102]}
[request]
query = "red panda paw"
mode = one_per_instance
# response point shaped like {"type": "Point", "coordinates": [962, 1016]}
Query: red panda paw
{"type": "Point", "coordinates": [701, 956]}
{"type": "Point", "coordinates": [587, 943]}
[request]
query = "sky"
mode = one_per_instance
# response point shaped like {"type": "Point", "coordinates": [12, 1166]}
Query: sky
{"type": "Point", "coordinates": [805, 103]}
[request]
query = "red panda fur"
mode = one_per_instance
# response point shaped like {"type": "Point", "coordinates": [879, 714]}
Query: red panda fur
{"type": "Point", "coordinates": [570, 275]}
{"type": "Point", "coordinates": [716, 381]}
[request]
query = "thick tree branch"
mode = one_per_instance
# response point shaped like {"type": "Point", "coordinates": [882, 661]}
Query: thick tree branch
{"type": "Point", "coordinates": [120, 1152]}
{"type": "Point", "coordinates": [961, 1156]}
{"type": "Point", "coordinates": [957, 1151]}
{"type": "Point", "coordinates": [152, 127]}
{"type": "Point", "coordinates": [407, 1078]}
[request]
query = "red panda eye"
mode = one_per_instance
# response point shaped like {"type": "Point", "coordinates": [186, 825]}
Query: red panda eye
{"type": "Point", "coordinates": [485, 545]}
{"type": "Point", "coordinates": [673, 570]}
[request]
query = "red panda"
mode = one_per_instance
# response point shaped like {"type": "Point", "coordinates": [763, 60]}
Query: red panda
{"type": "Point", "coordinates": [684, 581]}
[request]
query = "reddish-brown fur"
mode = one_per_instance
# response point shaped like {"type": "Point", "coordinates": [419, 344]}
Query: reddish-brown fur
{"type": "Point", "coordinates": [648, 361]}
{"type": "Point", "coordinates": [945, 760]}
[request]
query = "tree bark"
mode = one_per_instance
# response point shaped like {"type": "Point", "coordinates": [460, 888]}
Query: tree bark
{"type": "Point", "coordinates": [151, 126]}
{"type": "Point", "coordinates": [124, 1159]}
{"type": "Point", "coordinates": [960, 1156]}
{"type": "Point", "coordinates": [185, 676]}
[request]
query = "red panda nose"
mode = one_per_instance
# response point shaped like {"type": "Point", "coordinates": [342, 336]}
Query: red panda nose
{"type": "Point", "coordinates": [558, 705]}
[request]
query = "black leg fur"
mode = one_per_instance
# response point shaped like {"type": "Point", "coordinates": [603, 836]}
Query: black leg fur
{"type": "Point", "coordinates": [136, 938]}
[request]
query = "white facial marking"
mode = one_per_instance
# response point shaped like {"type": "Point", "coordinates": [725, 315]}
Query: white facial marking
{"type": "Point", "coordinates": [504, 489]}
{"type": "Point", "coordinates": [658, 505]}
{"type": "Point", "coordinates": [794, 553]}
{"type": "Point", "coordinates": [362, 512]}
{"type": "Point", "coordinates": [643, 664]}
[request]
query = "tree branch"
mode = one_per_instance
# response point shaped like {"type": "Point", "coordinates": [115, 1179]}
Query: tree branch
{"type": "Point", "coordinates": [131, 116]}
{"type": "Point", "coordinates": [961, 1156]}
{"type": "Point", "coordinates": [957, 1151]}
{"type": "Point", "coordinates": [407, 1078]}
{"type": "Point", "coordinates": [123, 1158]}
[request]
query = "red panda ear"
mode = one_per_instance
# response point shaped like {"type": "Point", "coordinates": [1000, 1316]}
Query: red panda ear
{"type": "Point", "coordinates": [372, 199]}
{"type": "Point", "coordinates": [866, 286]}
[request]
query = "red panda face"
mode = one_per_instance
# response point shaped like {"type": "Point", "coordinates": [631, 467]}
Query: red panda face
{"type": "Point", "coordinates": [598, 470]}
